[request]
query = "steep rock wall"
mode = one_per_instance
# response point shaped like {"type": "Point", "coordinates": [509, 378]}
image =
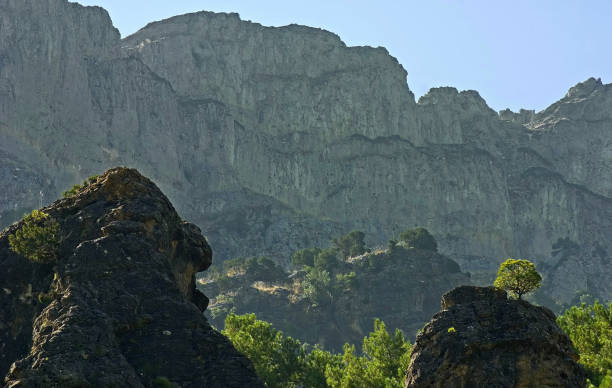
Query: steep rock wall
{"type": "Point", "coordinates": [272, 139]}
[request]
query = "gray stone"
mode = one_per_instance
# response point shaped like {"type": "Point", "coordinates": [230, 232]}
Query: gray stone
{"type": "Point", "coordinates": [274, 139]}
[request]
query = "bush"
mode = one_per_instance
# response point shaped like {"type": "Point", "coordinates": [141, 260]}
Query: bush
{"type": "Point", "coordinates": [37, 239]}
{"type": "Point", "coordinates": [75, 189]}
{"type": "Point", "coordinates": [351, 244]}
{"type": "Point", "coordinates": [318, 287]}
{"type": "Point", "coordinates": [326, 260]}
{"type": "Point", "coordinates": [518, 277]}
{"type": "Point", "coordinates": [305, 257]}
{"type": "Point", "coordinates": [277, 359]}
{"type": "Point", "coordinates": [256, 268]}
{"type": "Point", "coordinates": [419, 238]}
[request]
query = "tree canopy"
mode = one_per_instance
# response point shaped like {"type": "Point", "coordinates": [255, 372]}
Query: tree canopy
{"type": "Point", "coordinates": [351, 244]}
{"type": "Point", "coordinates": [305, 257]}
{"type": "Point", "coordinates": [282, 361]}
{"type": "Point", "coordinates": [419, 238]}
{"type": "Point", "coordinates": [518, 277]}
{"type": "Point", "coordinates": [590, 329]}
{"type": "Point", "coordinates": [37, 239]}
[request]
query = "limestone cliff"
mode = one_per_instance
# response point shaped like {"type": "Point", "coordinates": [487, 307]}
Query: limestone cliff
{"type": "Point", "coordinates": [273, 139]}
{"type": "Point", "coordinates": [482, 339]}
{"type": "Point", "coordinates": [119, 306]}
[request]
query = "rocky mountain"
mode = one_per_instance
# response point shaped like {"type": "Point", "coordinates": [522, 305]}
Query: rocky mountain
{"type": "Point", "coordinates": [118, 306]}
{"type": "Point", "coordinates": [482, 339]}
{"type": "Point", "coordinates": [401, 287]}
{"type": "Point", "coordinates": [274, 139]}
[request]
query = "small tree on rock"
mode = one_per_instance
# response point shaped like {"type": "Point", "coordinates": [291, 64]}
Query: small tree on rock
{"type": "Point", "coordinates": [518, 277]}
{"type": "Point", "coordinates": [37, 239]}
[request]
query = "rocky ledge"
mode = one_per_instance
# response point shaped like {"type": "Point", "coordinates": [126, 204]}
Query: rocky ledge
{"type": "Point", "coordinates": [483, 339]}
{"type": "Point", "coordinates": [119, 306]}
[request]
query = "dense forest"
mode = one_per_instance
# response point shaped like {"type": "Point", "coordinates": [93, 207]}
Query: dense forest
{"type": "Point", "coordinates": [282, 361]}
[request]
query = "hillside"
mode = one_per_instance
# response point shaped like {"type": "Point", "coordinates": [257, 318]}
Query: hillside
{"type": "Point", "coordinates": [400, 286]}
{"type": "Point", "coordinates": [272, 139]}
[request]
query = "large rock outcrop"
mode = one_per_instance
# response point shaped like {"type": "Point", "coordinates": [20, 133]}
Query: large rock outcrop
{"type": "Point", "coordinates": [274, 139]}
{"type": "Point", "coordinates": [119, 306]}
{"type": "Point", "coordinates": [482, 339]}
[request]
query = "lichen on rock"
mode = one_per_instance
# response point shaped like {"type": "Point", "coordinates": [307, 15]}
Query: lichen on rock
{"type": "Point", "coordinates": [483, 339]}
{"type": "Point", "coordinates": [123, 279]}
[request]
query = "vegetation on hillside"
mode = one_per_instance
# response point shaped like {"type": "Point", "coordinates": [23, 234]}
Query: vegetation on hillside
{"type": "Point", "coordinates": [322, 274]}
{"type": "Point", "coordinates": [75, 189]}
{"type": "Point", "coordinates": [282, 361]}
{"type": "Point", "coordinates": [37, 239]}
{"type": "Point", "coordinates": [419, 238]}
{"type": "Point", "coordinates": [323, 277]}
{"type": "Point", "coordinates": [590, 329]}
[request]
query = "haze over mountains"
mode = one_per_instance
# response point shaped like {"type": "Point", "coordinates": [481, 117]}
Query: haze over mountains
{"type": "Point", "coordinates": [274, 139]}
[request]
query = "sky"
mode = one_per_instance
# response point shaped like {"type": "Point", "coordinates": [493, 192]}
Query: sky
{"type": "Point", "coordinates": [516, 54]}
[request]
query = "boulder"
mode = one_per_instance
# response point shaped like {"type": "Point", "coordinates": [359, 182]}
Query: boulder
{"type": "Point", "coordinates": [483, 339]}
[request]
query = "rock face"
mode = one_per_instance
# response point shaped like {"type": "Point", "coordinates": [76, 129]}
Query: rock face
{"type": "Point", "coordinates": [482, 339]}
{"type": "Point", "coordinates": [119, 306]}
{"type": "Point", "coordinates": [274, 139]}
{"type": "Point", "coordinates": [401, 288]}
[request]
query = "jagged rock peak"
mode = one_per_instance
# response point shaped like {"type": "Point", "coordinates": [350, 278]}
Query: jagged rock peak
{"type": "Point", "coordinates": [118, 307]}
{"type": "Point", "coordinates": [203, 20]}
{"type": "Point", "coordinates": [449, 96]}
{"type": "Point", "coordinates": [583, 89]}
{"type": "Point", "coordinates": [483, 339]}
{"type": "Point", "coordinates": [523, 116]}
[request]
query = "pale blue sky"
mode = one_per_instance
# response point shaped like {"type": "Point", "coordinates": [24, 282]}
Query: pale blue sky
{"type": "Point", "coordinates": [516, 54]}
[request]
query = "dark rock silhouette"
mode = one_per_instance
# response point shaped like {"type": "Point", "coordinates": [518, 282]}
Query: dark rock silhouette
{"type": "Point", "coordinates": [483, 339]}
{"type": "Point", "coordinates": [119, 307]}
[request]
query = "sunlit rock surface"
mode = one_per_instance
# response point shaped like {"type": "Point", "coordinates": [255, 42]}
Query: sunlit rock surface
{"type": "Point", "coordinates": [274, 139]}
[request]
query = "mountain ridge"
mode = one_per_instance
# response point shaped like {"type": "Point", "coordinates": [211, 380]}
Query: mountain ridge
{"type": "Point", "coordinates": [266, 160]}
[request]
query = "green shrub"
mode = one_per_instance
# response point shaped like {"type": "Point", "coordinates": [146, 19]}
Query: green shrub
{"type": "Point", "coordinates": [351, 244]}
{"type": "Point", "coordinates": [318, 287]}
{"type": "Point", "coordinates": [162, 382]}
{"type": "Point", "coordinates": [518, 277]}
{"type": "Point", "coordinates": [277, 359]}
{"type": "Point", "coordinates": [326, 260]}
{"type": "Point", "coordinates": [419, 238]}
{"type": "Point", "coordinates": [305, 257]}
{"type": "Point", "coordinates": [75, 189]}
{"type": "Point", "coordinates": [37, 239]}
{"type": "Point", "coordinates": [255, 268]}
{"type": "Point", "coordinates": [590, 329]}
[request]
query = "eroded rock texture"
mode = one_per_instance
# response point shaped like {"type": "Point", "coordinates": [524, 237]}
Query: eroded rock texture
{"type": "Point", "coordinates": [482, 339]}
{"type": "Point", "coordinates": [119, 308]}
{"type": "Point", "coordinates": [274, 139]}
